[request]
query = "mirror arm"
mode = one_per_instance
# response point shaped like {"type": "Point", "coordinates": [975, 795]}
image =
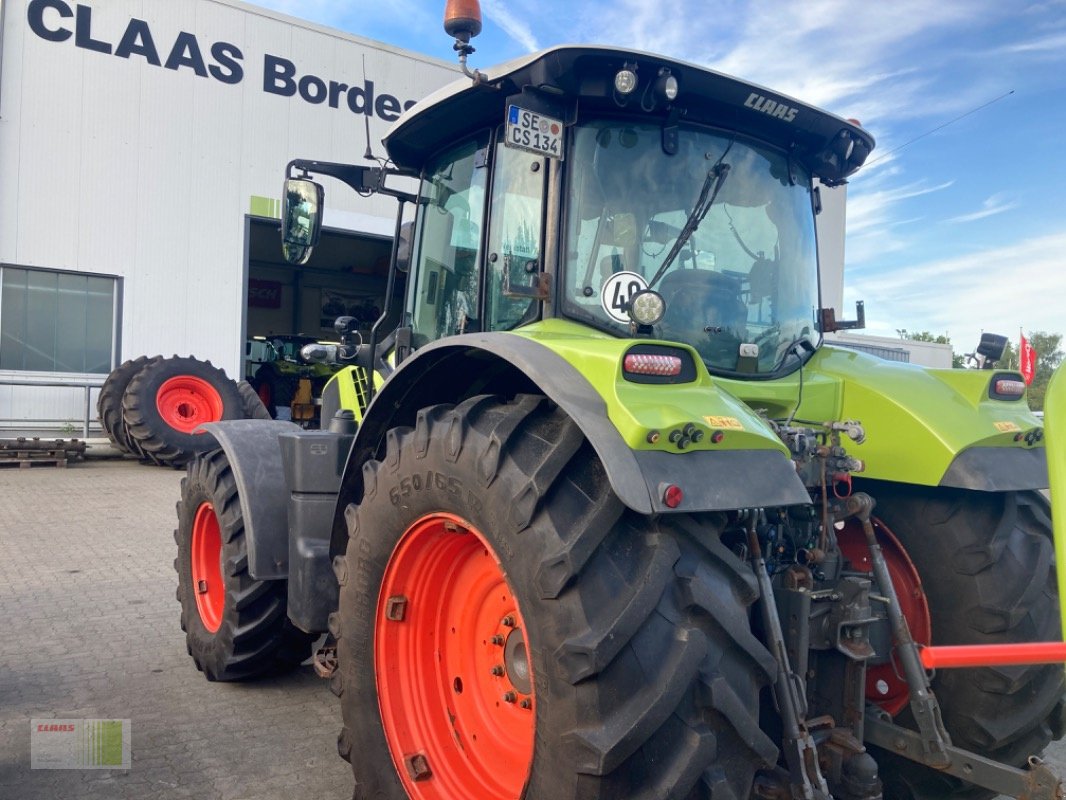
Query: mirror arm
{"type": "Point", "coordinates": [390, 288]}
{"type": "Point", "coordinates": [363, 179]}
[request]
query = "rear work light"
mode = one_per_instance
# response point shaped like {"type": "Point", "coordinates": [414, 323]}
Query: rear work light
{"type": "Point", "coordinates": [652, 364]}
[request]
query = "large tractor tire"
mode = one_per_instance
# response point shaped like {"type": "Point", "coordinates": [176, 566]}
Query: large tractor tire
{"type": "Point", "coordinates": [986, 564]}
{"type": "Point", "coordinates": [168, 401]}
{"type": "Point", "coordinates": [235, 626]}
{"type": "Point", "coordinates": [109, 403]}
{"type": "Point", "coordinates": [507, 629]}
{"type": "Point", "coordinates": [252, 403]}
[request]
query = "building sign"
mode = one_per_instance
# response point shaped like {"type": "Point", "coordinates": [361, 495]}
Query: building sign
{"type": "Point", "coordinates": [264, 294]}
{"type": "Point", "coordinates": [60, 21]}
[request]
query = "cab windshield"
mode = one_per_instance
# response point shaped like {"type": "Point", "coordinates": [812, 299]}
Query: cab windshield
{"type": "Point", "coordinates": [743, 287]}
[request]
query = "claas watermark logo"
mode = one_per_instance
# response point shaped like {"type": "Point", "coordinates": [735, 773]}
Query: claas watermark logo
{"type": "Point", "coordinates": [79, 744]}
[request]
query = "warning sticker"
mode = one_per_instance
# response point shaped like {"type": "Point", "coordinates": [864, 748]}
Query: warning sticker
{"type": "Point", "coordinates": [617, 293]}
{"type": "Point", "coordinates": [1006, 427]}
{"type": "Point", "coordinates": [725, 422]}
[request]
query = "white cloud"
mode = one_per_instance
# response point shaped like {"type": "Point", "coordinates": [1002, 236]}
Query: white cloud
{"type": "Point", "coordinates": [997, 289]}
{"type": "Point", "coordinates": [873, 227]}
{"type": "Point", "coordinates": [514, 27]}
{"type": "Point", "coordinates": [1053, 43]}
{"type": "Point", "coordinates": [996, 204]}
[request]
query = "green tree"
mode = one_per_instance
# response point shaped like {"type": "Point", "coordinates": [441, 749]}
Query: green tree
{"type": "Point", "coordinates": [957, 361]}
{"type": "Point", "coordinates": [1010, 357]}
{"type": "Point", "coordinates": [1049, 355]}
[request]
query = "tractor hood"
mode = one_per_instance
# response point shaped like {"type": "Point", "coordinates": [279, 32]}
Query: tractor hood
{"type": "Point", "coordinates": [573, 79]}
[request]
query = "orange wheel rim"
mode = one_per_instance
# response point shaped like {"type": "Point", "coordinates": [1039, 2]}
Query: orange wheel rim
{"type": "Point", "coordinates": [885, 685]}
{"type": "Point", "coordinates": [207, 584]}
{"type": "Point", "coordinates": [455, 686]}
{"type": "Point", "coordinates": [186, 402]}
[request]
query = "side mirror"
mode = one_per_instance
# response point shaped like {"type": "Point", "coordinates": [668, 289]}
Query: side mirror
{"type": "Point", "coordinates": [301, 219]}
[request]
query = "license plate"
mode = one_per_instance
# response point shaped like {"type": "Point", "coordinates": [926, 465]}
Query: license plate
{"type": "Point", "coordinates": [528, 130]}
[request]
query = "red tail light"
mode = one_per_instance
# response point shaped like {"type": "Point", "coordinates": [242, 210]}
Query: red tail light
{"type": "Point", "coordinates": [1009, 388]}
{"type": "Point", "coordinates": [652, 364]}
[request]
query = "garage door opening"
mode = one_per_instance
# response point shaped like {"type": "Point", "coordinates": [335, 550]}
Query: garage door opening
{"type": "Point", "coordinates": [289, 306]}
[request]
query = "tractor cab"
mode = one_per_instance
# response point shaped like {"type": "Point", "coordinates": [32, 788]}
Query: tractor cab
{"type": "Point", "coordinates": [633, 194]}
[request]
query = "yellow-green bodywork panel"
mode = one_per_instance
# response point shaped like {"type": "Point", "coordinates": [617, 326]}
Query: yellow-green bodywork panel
{"type": "Point", "coordinates": [1055, 422]}
{"type": "Point", "coordinates": [351, 386]}
{"type": "Point", "coordinates": [917, 420]}
{"type": "Point", "coordinates": [639, 409]}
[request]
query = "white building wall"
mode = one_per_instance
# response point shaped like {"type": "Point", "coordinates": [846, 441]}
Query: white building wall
{"type": "Point", "coordinates": [115, 166]}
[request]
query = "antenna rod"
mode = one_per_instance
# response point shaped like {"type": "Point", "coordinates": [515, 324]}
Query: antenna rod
{"type": "Point", "coordinates": [368, 154]}
{"type": "Point", "coordinates": [940, 127]}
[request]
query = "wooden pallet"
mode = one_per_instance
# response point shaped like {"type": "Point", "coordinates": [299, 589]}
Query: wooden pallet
{"type": "Point", "coordinates": [27, 460]}
{"type": "Point", "coordinates": [26, 453]}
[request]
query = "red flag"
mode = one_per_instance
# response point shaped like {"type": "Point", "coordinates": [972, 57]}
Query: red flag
{"type": "Point", "coordinates": [1027, 357]}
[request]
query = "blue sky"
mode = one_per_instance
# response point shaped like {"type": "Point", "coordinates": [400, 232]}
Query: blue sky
{"type": "Point", "coordinates": [961, 231]}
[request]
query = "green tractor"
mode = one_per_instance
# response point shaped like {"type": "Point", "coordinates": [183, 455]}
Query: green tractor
{"type": "Point", "coordinates": [289, 373]}
{"type": "Point", "coordinates": [603, 517]}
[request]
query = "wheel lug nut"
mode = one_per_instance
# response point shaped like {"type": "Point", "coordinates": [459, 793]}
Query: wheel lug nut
{"type": "Point", "coordinates": [509, 697]}
{"type": "Point", "coordinates": [497, 640]}
{"type": "Point", "coordinates": [497, 670]}
{"type": "Point", "coordinates": [508, 621]}
{"type": "Point", "coordinates": [526, 704]}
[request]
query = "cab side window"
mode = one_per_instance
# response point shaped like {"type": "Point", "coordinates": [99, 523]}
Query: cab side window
{"type": "Point", "coordinates": [448, 244]}
{"type": "Point", "coordinates": [515, 226]}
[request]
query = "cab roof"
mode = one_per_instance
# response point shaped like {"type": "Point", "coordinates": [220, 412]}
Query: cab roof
{"type": "Point", "coordinates": [578, 80]}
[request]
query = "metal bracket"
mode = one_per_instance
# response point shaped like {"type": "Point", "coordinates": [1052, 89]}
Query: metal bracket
{"type": "Point", "coordinates": [539, 286]}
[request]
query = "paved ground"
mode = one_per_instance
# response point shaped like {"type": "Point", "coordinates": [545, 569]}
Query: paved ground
{"type": "Point", "coordinates": [89, 629]}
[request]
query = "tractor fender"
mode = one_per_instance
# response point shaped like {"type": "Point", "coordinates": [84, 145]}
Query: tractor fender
{"type": "Point", "coordinates": [504, 363]}
{"type": "Point", "coordinates": [251, 445]}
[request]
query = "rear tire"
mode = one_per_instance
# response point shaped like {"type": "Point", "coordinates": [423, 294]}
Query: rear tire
{"type": "Point", "coordinates": [235, 627]}
{"type": "Point", "coordinates": [109, 403]}
{"type": "Point", "coordinates": [166, 403]}
{"type": "Point", "coordinates": [986, 561]}
{"type": "Point", "coordinates": [645, 673]}
{"type": "Point", "coordinates": [253, 406]}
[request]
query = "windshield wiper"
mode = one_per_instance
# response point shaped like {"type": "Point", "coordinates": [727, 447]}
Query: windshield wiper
{"type": "Point", "coordinates": [712, 184]}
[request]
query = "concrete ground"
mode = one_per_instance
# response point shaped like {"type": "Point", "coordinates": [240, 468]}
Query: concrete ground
{"type": "Point", "coordinates": [89, 629]}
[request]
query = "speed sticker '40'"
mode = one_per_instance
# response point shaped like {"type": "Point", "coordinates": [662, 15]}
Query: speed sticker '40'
{"type": "Point", "coordinates": [528, 130]}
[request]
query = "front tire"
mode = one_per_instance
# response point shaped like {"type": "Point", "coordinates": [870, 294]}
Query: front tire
{"type": "Point", "coordinates": [986, 563]}
{"type": "Point", "coordinates": [235, 626]}
{"type": "Point", "coordinates": [644, 674]}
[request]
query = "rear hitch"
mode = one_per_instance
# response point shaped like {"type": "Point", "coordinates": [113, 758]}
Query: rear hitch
{"type": "Point", "coordinates": [934, 737]}
{"type": "Point", "coordinates": [930, 744]}
{"type": "Point", "coordinates": [1037, 782]}
{"type": "Point", "coordinates": [801, 752]}
{"type": "Point", "coordinates": [325, 658]}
